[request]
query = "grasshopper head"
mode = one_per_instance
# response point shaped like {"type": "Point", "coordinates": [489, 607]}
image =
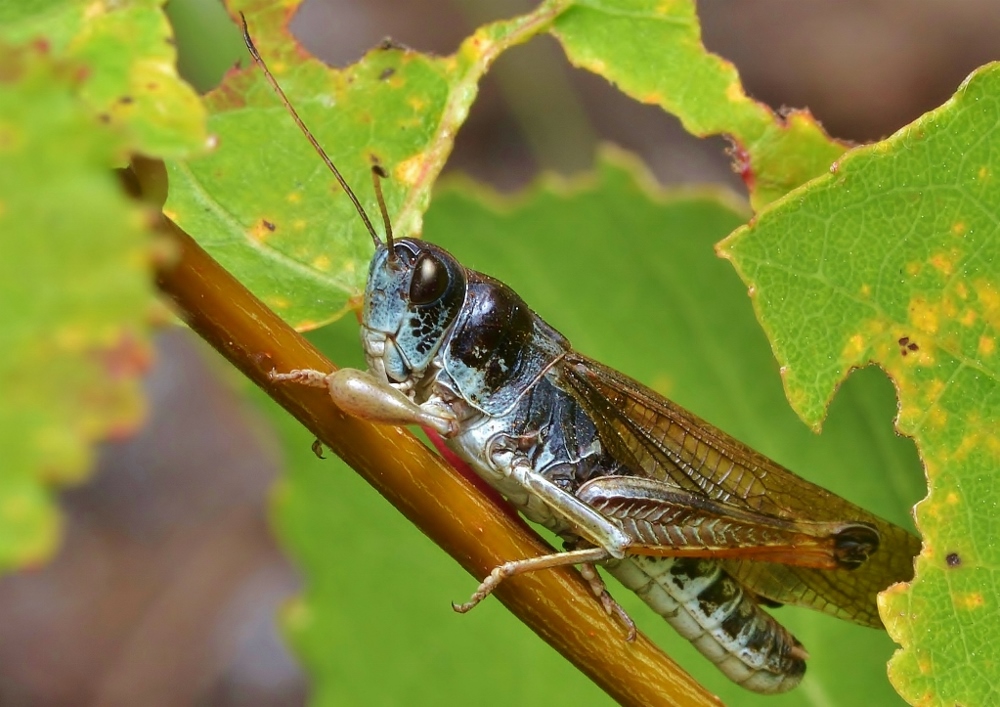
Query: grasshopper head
{"type": "Point", "coordinates": [412, 298]}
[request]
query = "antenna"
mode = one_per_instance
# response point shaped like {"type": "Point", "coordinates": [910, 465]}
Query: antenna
{"type": "Point", "coordinates": [379, 174]}
{"type": "Point", "coordinates": [315, 143]}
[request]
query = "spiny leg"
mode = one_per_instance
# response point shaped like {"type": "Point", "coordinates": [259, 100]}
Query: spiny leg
{"type": "Point", "coordinates": [305, 376]}
{"type": "Point", "coordinates": [611, 607]}
{"type": "Point", "coordinates": [516, 567]}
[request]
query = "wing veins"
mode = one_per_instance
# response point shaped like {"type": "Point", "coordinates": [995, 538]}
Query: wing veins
{"type": "Point", "coordinates": [847, 594]}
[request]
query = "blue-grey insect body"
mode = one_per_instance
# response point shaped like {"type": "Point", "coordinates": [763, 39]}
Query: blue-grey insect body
{"type": "Point", "coordinates": [518, 404]}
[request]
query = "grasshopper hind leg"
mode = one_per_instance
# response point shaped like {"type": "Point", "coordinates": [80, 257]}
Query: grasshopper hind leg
{"type": "Point", "coordinates": [611, 607]}
{"type": "Point", "coordinates": [507, 570]}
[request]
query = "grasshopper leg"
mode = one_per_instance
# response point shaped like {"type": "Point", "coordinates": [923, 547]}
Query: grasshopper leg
{"type": "Point", "coordinates": [516, 567]}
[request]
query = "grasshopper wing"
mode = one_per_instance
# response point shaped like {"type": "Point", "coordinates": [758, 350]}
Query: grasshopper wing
{"type": "Point", "coordinates": [658, 440]}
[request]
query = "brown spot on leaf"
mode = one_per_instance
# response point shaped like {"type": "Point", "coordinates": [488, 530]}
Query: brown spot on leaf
{"type": "Point", "coordinates": [953, 559]}
{"type": "Point", "coordinates": [386, 73]}
{"type": "Point", "coordinates": [262, 229]}
{"type": "Point", "coordinates": [905, 345]}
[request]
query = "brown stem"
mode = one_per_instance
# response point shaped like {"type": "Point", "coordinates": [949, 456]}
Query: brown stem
{"type": "Point", "coordinates": [556, 604]}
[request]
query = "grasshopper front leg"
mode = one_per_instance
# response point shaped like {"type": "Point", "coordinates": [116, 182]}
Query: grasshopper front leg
{"type": "Point", "coordinates": [360, 394]}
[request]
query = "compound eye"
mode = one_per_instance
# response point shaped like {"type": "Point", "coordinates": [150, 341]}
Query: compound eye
{"type": "Point", "coordinates": [430, 280]}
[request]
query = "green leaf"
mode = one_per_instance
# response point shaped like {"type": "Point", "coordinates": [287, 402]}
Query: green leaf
{"type": "Point", "coordinates": [628, 272]}
{"type": "Point", "coordinates": [74, 291]}
{"type": "Point", "coordinates": [127, 55]}
{"type": "Point", "coordinates": [893, 259]}
{"type": "Point", "coordinates": [74, 278]}
{"type": "Point", "coordinates": [652, 51]}
{"type": "Point", "coordinates": [296, 231]}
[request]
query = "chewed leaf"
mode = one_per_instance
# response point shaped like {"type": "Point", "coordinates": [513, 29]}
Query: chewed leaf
{"type": "Point", "coordinates": [263, 203]}
{"type": "Point", "coordinates": [893, 258]}
{"type": "Point", "coordinates": [125, 50]}
{"type": "Point", "coordinates": [652, 51]}
{"type": "Point", "coordinates": [74, 289]}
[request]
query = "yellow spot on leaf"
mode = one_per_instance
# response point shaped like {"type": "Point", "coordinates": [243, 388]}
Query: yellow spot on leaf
{"type": "Point", "coordinates": [854, 348]}
{"type": "Point", "coordinates": [299, 224]}
{"type": "Point", "coordinates": [937, 417]}
{"type": "Point", "coordinates": [866, 290]}
{"type": "Point", "coordinates": [653, 99]}
{"type": "Point", "coordinates": [260, 232]}
{"type": "Point", "coordinates": [986, 345]}
{"type": "Point", "coordinates": [933, 389]}
{"type": "Point", "coordinates": [70, 338]}
{"type": "Point", "coordinates": [970, 600]}
{"type": "Point", "coordinates": [418, 104]}
{"type": "Point", "coordinates": [943, 263]}
{"type": "Point", "coordinates": [94, 9]}
{"type": "Point", "coordinates": [321, 263]}
{"type": "Point", "coordinates": [408, 171]}
{"type": "Point", "coordinates": [734, 92]}
{"type": "Point", "coordinates": [968, 443]}
{"type": "Point", "coordinates": [961, 290]}
{"type": "Point", "coordinates": [951, 499]}
{"type": "Point", "coordinates": [597, 66]}
{"type": "Point", "coordinates": [989, 300]}
{"type": "Point", "coordinates": [294, 197]}
{"type": "Point", "coordinates": [959, 228]}
{"type": "Point", "coordinates": [968, 318]}
{"type": "Point", "coordinates": [984, 172]}
{"type": "Point", "coordinates": [924, 316]}
{"type": "Point", "coordinates": [913, 269]}
{"type": "Point", "coordinates": [278, 302]}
